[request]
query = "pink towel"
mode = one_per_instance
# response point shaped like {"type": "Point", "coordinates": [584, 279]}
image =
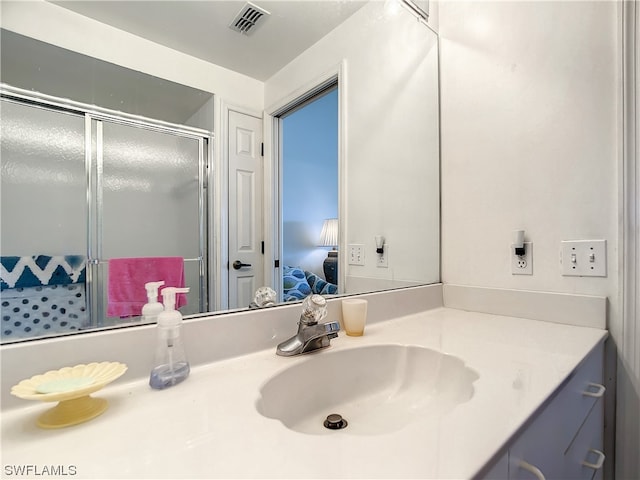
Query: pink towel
{"type": "Point", "coordinates": [127, 277]}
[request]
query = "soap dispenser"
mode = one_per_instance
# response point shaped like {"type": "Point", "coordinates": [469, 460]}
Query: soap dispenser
{"type": "Point", "coordinates": [171, 365]}
{"type": "Point", "coordinates": [153, 307]}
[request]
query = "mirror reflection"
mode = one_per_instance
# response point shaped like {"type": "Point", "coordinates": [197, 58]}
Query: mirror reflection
{"type": "Point", "coordinates": [310, 151]}
{"type": "Point", "coordinates": [113, 178]}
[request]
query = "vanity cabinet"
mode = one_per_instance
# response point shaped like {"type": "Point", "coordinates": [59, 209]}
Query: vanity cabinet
{"type": "Point", "coordinates": [566, 439]}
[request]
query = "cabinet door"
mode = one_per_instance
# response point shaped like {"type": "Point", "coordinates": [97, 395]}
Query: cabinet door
{"type": "Point", "coordinates": [565, 433]}
{"type": "Point", "coordinates": [537, 453]}
{"type": "Point", "coordinates": [579, 396]}
{"type": "Point", "coordinates": [585, 456]}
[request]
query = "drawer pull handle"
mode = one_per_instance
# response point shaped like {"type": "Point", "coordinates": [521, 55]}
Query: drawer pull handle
{"type": "Point", "coordinates": [599, 463]}
{"type": "Point", "coordinates": [532, 469]}
{"type": "Point", "coordinates": [597, 393]}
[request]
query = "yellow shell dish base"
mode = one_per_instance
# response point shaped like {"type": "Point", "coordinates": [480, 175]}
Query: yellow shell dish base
{"type": "Point", "coordinates": [72, 412]}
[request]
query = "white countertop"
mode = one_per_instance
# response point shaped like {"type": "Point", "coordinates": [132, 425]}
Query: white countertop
{"type": "Point", "coordinates": [208, 426]}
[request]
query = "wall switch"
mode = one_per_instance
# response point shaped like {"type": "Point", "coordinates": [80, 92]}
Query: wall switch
{"type": "Point", "coordinates": [522, 264]}
{"type": "Point", "coordinates": [382, 259]}
{"type": "Point", "coordinates": [584, 258]}
{"type": "Point", "coordinates": [356, 254]}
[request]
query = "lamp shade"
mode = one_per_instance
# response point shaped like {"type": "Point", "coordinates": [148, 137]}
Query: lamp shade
{"type": "Point", "coordinates": [329, 235]}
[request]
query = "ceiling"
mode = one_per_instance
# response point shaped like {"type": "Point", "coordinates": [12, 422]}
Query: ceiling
{"type": "Point", "coordinates": [201, 28]}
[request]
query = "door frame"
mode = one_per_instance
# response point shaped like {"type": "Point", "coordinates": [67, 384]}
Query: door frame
{"type": "Point", "coordinates": [273, 165]}
{"type": "Point", "coordinates": [628, 347]}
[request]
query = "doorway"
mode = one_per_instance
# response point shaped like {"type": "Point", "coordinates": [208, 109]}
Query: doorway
{"type": "Point", "coordinates": [309, 190]}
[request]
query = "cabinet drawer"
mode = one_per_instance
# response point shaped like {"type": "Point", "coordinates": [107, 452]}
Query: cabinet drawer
{"type": "Point", "coordinates": [587, 448]}
{"type": "Point", "coordinates": [578, 397]}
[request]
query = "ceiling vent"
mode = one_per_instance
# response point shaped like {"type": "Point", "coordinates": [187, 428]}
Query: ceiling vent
{"type": "Point", "coordinates": [248, 19]}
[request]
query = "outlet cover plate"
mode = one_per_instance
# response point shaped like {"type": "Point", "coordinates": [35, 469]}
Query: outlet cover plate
{"type": "Point", "coordinates": [522, 264]}
{"type": "Point", "coordinates": [382, 261]}
{"type": "Point", "coordinates": [583, 258]}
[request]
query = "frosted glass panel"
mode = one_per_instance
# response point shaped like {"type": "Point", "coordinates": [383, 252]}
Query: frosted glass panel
{"type": "Point", "coordinates": [150, 194]}
{"type": "Point", "coordinates": [43, 210]}
{"type": "Point", "coordinates": [43, 189]}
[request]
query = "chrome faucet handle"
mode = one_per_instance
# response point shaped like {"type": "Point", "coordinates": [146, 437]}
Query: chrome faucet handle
{"type": "Point", "coordinates": [264, 297]}
{"type": "Point", "coordinates": [314, 309]}
{"type": "Point", "coordinates": [332, 329]}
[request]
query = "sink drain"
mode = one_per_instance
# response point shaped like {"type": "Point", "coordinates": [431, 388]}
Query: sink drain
{"type": "Point", "coordinates": [335, 422]}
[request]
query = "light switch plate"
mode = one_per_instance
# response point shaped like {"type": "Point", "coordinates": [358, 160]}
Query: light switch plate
{"type": "Point", "coordinates": [584, 258]}
{"type": "Point", "coordinates": [356, 254]}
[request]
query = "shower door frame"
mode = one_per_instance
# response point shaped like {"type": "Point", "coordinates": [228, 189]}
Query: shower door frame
{"type": "Point", "coordinates": [99, 115]}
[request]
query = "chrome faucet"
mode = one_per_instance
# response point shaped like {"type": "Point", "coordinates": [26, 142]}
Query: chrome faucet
{"type": "Point", "coordinates": [311, 334]}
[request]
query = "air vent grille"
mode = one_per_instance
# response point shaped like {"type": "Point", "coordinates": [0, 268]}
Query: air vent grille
{"type": "Point", "coordinates": [248, 19]}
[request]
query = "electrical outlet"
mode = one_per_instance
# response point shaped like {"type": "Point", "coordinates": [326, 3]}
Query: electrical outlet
{"type": "Point", "coordinates": [356, 254]}
{"type": "Point", "coordinates": [382, 259]}
{"type": "Point", "coordinates": [522, 264]}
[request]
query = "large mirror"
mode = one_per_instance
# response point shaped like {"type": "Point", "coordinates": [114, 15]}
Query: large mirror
{"type": "Point", "coordinates": [118, 143]}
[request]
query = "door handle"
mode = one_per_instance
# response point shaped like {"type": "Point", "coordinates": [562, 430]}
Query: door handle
{"type": "Point", "coordinates": [238, 264]}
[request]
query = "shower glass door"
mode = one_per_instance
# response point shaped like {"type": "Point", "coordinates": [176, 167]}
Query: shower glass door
{"type": "Point", "coordinates": [43, 235]}
{"type": "Point", "coordinates": [149, 193]}
{"type": "Point", "coordinates": [81, 187]}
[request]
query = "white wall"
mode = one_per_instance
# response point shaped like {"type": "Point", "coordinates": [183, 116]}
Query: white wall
{"type": "Point", "coordinates": [204, 117]}
{"type": "Point", "coordinates": [530, 139]}
{"type": "Point", "coordinates": [390, 183]}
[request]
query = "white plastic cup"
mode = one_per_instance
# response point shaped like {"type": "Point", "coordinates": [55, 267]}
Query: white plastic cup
{"type": "Point", "coordinates": [354, 316]}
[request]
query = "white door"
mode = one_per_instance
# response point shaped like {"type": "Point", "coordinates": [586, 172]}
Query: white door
{"type": "Point", "coordinates": [246, 270]}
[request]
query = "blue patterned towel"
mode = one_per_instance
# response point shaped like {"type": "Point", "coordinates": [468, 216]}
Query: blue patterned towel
{"type": "Point", "coordinates": [41, 270]}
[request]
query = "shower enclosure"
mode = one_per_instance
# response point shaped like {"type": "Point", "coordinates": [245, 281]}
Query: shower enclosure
{"type": "Point", "coordinates": [80, 182]}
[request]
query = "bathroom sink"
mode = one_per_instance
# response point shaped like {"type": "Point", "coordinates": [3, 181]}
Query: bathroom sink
{"type": "Point", "coordinates": [376, 389]}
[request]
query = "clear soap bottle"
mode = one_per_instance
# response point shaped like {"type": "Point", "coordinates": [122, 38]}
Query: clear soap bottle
{"type": "Point", "coordinates": [171, 365]}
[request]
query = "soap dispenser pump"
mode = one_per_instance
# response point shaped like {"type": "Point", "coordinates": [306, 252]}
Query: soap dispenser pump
{"type": "Point", "coordinates": [171, 365]}
{"type": "Point", "coordinates": [153, 307]}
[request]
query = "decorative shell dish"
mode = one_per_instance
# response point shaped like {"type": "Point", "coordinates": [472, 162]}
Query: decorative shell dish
{"type": "Point", "coordinates": [71, 386]}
